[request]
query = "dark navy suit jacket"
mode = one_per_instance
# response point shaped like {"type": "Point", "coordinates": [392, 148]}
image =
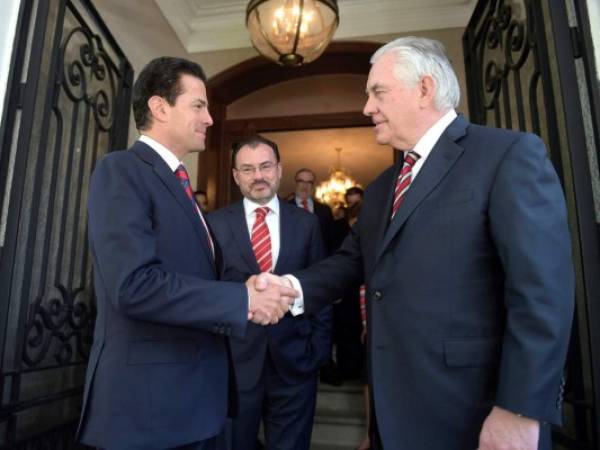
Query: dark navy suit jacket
{"type": "Point", "coordinates": [298, 346]}
{"type": "Point", "coordinates": [158, 373]}
{"type": "Point", "coordinates": [326, 222]}
{"type": "Point", "coordinates": [470, 288]}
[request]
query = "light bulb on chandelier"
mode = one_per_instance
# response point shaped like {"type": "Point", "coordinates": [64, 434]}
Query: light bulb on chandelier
{"type": "Point", "coordinates": [333, 190]}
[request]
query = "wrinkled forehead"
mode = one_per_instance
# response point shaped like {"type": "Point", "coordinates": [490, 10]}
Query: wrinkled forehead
{"type": "Point", "coordinates": [381, 72]}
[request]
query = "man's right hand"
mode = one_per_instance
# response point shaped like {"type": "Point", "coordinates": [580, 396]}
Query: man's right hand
{"type": "Point", "coordinates": [268, 301]}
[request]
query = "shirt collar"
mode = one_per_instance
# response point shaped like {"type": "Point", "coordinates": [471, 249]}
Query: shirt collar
{"type": "Point", "coordinates": [250, 206]}
{"type": "Point", "coordinates": [167, 155]}
{"type": "Point", "coordinates": [298, 199]}
{"type": "Point", "coordinates": [429, 139]}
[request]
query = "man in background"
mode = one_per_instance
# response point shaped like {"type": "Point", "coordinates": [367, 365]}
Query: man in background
{"type": "Point", "coordinates": [202, 200]}
{"type": "Point", "coordinates": [304, 198]}
{"type": "Point", "coordinates": [354, 197]}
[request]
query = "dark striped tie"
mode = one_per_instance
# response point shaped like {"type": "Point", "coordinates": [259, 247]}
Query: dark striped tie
{"type": "Point", "coordinates": [184, 179]}
{"type": "Point", "coordinates": [404, 179]}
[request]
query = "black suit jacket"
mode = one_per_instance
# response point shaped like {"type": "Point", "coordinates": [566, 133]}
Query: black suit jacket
{"type": "Point", "coordinates": [325, 216]}
{"type": "Point", "coordinates": [158, 374]}
{"type": "Point", "coordinates": [298, 346]}
{"type": "Point", "coordinates": [470, 288]}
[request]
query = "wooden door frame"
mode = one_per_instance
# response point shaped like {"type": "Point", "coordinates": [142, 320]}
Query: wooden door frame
{"type": "Point", "coordinates": [258, 73]}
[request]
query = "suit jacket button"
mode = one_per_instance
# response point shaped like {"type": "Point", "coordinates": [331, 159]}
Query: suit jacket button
{"type": "Point", "coordinates": [377, 295]}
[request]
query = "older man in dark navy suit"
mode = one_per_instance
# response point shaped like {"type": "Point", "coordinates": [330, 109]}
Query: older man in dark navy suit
{"type": "Point", "coordinates": [464, 248]}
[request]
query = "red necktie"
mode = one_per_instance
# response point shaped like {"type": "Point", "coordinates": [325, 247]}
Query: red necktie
{"type": "Point", "coordinates": [404, 179]}
{"type": "Point", "coordinates": [261, 240]}
{"type": "Point", "coordinates": [184, 179]}
{"type": "Point", "coordinates": [305, 204]}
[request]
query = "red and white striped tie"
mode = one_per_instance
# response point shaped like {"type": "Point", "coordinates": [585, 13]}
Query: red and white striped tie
{"type": "Point", "coordinates": [404, 179]}
{"type": "Point", "coordinates": [184, 179]}
{"type": "Point", "coordinates": [261, 240]}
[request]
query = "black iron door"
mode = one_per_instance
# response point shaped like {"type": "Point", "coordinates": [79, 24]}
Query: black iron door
{"type": "Point", "coordinates": [529, 67]}
{"type": "Point", "coordinates": [67, 105]}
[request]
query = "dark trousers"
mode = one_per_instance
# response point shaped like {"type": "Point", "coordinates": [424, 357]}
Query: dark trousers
{"type": "Point", "coordinates": [209, 444]}
{"type": "Point", "coordinates": [287, 413]}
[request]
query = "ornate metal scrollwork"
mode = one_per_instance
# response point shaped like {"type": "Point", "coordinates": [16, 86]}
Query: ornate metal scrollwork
{"type": "Point", "coordinates": [90, 76]}
{"type": "Point", "coordinates": [505, 55]}
{"type": "Point", "coordinates": [64, 320]}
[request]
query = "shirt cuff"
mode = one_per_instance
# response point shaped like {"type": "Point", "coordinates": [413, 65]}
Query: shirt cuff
{"type": "Point", "coordinates": [298, 307]}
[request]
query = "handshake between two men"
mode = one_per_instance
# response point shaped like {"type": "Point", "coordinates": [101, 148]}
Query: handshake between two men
{"type": "Point", "coordinates": [269, 298]}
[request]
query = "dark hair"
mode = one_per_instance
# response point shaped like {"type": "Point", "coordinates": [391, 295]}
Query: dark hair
{"type": "Point", "coordinates": [354, 190]}
{"type": "Point", "coordinates": [253, 142]}
{"type": "Point", "coordinates": [305, 170]}
{"type": "Point", "coordinates": [161, 77]}
{"type": "Point", "coordinates": [200, 192]}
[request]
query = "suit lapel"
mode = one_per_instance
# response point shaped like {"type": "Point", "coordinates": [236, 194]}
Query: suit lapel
{"type": "Point", "coordinates": [239, 229]}
{"type": "Point", "coordinates": [385, 191]}
{"type": "Point", "coordinates": [442, 157]}
{"type": "Point", "coordinates": [286, 228]}
{"type": "Point", "coordinates": [171, 182]}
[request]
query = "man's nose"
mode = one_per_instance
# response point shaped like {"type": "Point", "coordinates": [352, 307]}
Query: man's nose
{"type": "Point", "coordinates": [208, 120]}
{"type": "Point", "coordinates": [368, 110]}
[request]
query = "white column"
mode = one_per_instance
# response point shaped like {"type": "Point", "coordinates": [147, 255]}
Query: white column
{"type": "Point", "coordinates": [594, 13]}
{"type": "Point", "coordinates": [8, 26]}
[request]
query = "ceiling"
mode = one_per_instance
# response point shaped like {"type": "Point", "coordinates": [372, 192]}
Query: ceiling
{"type": "Point", "coordinates": [212, 25]}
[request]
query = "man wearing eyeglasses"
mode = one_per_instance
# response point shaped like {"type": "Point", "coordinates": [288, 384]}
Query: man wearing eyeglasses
{"type": "Point", "coordinates": [305, 189]}
{"type": "Point", "coordinates": [276, 366]}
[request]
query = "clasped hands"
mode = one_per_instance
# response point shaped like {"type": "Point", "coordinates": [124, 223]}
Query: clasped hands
{"type": "Point", "coordinates": [269, 298]}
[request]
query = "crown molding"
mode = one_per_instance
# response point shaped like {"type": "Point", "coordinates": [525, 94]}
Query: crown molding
{"type": "Point", "coordinates": [213, 25]}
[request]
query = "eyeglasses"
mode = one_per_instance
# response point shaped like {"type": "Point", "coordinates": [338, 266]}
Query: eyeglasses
{"type": "Point", "coordinates": [311, 182]}
{"type": "Point", "coordinates": [264, 168]}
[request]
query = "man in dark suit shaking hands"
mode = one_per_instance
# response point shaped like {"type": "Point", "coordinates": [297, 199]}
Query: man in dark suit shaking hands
{"type": "Point", "coordinates": [159, 371]}
{"type": "Point", "coordinates": [277, 365]}
{"type": "Point", "coordinates": [465, 252]}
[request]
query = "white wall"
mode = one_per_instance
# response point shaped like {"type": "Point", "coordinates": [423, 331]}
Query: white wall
{"type": "Point", "coordinates": [594, 13]}
{"type": "Point", "coordinates": [8, 25]}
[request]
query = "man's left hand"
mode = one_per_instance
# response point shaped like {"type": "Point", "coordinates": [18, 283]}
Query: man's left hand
{"type": "Point", "coordinates": [504, 430]}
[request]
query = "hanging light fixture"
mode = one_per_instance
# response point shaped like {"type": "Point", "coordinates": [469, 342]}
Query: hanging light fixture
{"type": "Point", "coordinates": [333, 190]}
{"type": "Point", "coordinates": [292, 32]}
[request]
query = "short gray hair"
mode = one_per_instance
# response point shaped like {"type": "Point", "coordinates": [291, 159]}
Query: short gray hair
{"type": "Point", "coordinates": [416, 57]}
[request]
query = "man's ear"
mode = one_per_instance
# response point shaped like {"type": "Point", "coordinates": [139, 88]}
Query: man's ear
{"type": "Point", "coordinates": [427, 90]}
{"type": "Point", "coordinates": [157, 107]}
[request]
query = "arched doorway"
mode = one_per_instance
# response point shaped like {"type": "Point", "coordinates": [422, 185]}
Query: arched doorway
{"type": "Point", "coordinates": [258, 73]}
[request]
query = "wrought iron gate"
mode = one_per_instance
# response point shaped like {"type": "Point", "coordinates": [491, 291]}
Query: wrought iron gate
{"type": "Point", "coordinates": [522, 60]}
{"type": "Point", "coordinates": [68, 104]}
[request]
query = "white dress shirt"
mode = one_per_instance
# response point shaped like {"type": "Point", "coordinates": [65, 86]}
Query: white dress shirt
{"type": "Point", "coordinates": [423, 148]}
{"type": "Point", "coordinates": [272, 219]}
{"type": "Point", "coordinates": [173, 162]}
{"type": "Point", "coordinates": [429, 139]}
{"type": "Point", "coordinates": [309, 202]}
{"type": "Point", "coordinates": [167, 155]}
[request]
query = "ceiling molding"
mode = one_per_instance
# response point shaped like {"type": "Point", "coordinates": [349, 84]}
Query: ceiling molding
{"type": "Point", "coordinates": [213, 25]}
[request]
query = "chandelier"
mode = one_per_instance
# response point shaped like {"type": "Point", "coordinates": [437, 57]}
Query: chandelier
{"type": "Point", "coordinates": [291, 32]}
{"type": "Point", "coordinates": [333, 190]}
